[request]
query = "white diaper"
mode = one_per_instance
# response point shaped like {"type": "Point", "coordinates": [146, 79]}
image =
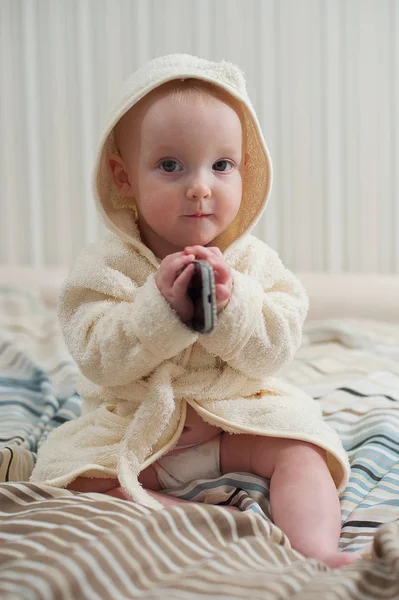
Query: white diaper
{"type": "Point", "coordinates": [198, 462]}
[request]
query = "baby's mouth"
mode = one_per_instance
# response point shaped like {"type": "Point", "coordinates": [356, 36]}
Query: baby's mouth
{"type": "Point", "coordinates": [198, 215]}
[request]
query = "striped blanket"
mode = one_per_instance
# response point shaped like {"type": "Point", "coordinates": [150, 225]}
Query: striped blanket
{"type": "Point", "coordinates": [59, 544]}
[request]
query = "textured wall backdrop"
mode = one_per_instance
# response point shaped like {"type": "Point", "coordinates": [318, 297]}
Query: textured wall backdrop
{"type": "Point", "coordinates": [323, 75]}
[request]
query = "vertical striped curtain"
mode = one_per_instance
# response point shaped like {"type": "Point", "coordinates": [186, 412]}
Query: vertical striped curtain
{"type": "Point", "coordinates": [323, 76]}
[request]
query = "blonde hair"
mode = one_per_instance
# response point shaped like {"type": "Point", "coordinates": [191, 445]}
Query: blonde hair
{"type": "Point", "coordinates": [181, 89]}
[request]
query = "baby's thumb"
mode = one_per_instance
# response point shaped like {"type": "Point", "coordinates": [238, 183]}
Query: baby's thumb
{"type": "Point", "coordinates": [181, 283]}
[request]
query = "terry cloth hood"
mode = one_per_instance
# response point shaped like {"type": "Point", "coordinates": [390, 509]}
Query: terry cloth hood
{"type": "Point", "coordinates": [116, 210]}
{"type": "Point", "coordinates": [140, 365]}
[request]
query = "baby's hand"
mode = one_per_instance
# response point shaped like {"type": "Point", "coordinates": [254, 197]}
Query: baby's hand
{"type": "Point", "coordinates": [222, 272]}
{"type": "Point", "coordinates": [172, 282]}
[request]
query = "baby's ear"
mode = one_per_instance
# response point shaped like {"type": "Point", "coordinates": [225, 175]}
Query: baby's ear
{"type": "Point", "coordinates": [119, 175]}
{"type": "Point", "coordinates": [247, 160]}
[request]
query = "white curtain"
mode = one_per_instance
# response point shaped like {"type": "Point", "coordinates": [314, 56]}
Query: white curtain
{"type": "Point", "coordinates": [323, 75]}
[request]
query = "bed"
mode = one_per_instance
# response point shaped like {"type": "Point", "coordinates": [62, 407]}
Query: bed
{"type": "Point", "coordinates": [57, 544]}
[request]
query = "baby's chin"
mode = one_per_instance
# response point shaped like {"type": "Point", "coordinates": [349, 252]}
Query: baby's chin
{"type": "Point", "coordinates": [183, 242]}
{"type": "Point", "coordinates": [199, 239]}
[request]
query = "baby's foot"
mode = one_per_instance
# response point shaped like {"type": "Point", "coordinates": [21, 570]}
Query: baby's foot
{"type": "Point", "coordinates": [340, 559]}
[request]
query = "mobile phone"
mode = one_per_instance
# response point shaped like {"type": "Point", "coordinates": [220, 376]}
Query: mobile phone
{"type": "Point", "coordinates": [201, 291]}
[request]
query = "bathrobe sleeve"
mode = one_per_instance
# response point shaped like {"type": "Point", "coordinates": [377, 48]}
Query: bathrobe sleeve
{"type": "Point", "coordinates": [116, 330]}
{"type": "Point", "coordinates": [260, 329]}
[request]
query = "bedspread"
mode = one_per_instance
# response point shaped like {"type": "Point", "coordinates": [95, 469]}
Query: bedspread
{"type": "Point", "coordinates": [55, 544]}
{"type": "Point", "coordinates": [59, 544]}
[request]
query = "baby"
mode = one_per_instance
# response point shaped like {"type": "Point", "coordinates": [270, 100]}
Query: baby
{"type": "Point", "coordinates": [183, 173]}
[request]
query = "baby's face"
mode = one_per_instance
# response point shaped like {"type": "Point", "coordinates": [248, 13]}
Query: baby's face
{"type": "Point", "coordinates": [186, 173]}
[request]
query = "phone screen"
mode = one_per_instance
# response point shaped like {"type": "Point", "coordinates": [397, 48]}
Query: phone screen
{"type": "Point", "coordinates": [195, 294]}
{"type": "Point", "coordinates": [201, 291]}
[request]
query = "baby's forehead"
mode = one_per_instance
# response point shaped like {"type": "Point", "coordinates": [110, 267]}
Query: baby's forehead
{"type": "Point", "coordinates": [193, 104]}
{"type": "Point", "coordinates": [170, 103]}
{"type": "Point", "coordinates": [191, 119]}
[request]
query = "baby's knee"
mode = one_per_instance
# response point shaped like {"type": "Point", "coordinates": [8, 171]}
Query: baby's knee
{"type": "Point", "coordinates": [260, 455]}
{"type": "Point", "coordinates": [285, 446]}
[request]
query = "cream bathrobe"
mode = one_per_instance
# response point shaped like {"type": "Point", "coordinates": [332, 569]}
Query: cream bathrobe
{"type": "Point", "coordinates": [141, 365]}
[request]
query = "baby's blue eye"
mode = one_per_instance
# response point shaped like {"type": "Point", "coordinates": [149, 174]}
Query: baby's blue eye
{"type": "Point", "coordinates": [169, 166]}
{"type": "Point", "coordinates": [222, 165]}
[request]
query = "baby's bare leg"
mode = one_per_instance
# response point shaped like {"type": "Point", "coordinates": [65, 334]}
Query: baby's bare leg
{"type": "Point", "coordinates": [93, 484]}
{"type": "Point", "coordinates": [111, 487]}
{"type": "Point", "coordinates": [303, 499]}
{"type": "Point", "coordinates": [147, 478]}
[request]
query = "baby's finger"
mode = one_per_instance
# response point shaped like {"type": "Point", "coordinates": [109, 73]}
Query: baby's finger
{"type": "Point", "coordinates": [215, 258]}
{"type": "Point", "coordinates": [174, 267]}
{"type": "Point", "coordinates": [222, 271]}
{"type": "Point", "coordinates": [212, 254]}
{"type": "Point", "coordinates": [199, 251]}
{"type": "Point", "coordinates": [204, 250]}
{"type": "Point", "coordinates": [217, 251]}
{"type": "Point", "coordinates": [171, 258]}
{"type": "Point", "coordinates": [203, 253]}
{"type": "Point", "coordinates": [181, 282]}
{"type": "Point", "coordinates": [181, 264]}
{"type": "Point", "coordinates": [222, 292]}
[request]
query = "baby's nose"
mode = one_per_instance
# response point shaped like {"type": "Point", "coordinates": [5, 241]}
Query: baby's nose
{"type": "Point", "coordinates": [198, 190]}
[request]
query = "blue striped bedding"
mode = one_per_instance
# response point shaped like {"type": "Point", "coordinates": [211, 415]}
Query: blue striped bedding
{"type": "Point", "coordinates": [350, 367]}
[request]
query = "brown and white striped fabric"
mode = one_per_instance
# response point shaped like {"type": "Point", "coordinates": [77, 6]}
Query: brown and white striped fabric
{"type": "Point", "coordinates": [56, 544]}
